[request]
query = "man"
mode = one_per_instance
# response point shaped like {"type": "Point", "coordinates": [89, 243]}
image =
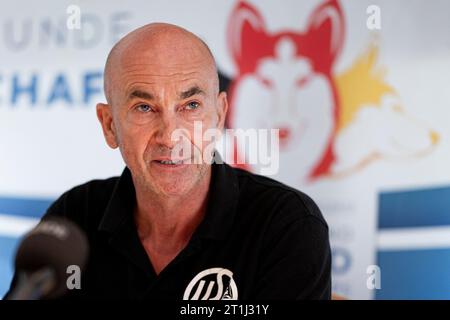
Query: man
{"type": "Point", "coordinates": [173, 227]}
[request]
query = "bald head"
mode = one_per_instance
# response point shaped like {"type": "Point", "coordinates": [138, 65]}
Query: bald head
{"type": "Point", "coordinates": [162, 45]}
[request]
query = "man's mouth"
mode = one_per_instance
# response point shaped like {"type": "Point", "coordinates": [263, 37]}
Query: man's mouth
{"type": "Point", "coordinates": [170, 162]}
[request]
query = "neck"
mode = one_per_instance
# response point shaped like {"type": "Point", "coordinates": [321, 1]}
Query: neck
{"type": "Point", "coordinates": [166, 223]}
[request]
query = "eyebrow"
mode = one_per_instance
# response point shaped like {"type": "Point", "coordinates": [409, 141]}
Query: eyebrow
{"type": "Point", "coordinates": [191, 92]}
{"type": "Point", "coordinates": [140, 94]}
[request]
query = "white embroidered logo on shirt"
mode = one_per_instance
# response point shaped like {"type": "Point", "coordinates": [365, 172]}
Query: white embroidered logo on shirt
{"type": "Point", "coordinates": [221, 286]}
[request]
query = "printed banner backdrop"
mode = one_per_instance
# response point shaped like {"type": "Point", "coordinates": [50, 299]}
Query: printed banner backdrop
{"type": "Point", "coordinates": [363, 115]}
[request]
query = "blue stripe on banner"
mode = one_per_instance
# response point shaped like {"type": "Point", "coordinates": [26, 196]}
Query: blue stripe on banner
{"type": "Point", "coordinates": [8, 248]}
{"type": "Point", "coordinates": [25, 207]}
{"type": "Point", "coordinates": [414, 274]}
{"type": "Point", "coordinates": [417, 208]}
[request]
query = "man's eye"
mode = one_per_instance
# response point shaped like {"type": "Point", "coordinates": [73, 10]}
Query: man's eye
{"type": "Point", "coordinates": [144, 108]}
{"type": "Point", "coordinates": [192, 105]}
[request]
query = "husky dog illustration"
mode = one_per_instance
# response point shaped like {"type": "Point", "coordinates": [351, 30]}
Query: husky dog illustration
{"type": "Point", "coordinates": [285, 80]}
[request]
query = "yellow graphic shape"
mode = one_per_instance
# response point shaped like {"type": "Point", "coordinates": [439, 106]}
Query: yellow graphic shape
{"type": "Point", "coordinates": [360, 85]}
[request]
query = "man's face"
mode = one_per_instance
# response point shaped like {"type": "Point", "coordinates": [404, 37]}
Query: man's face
{"type": "Point", "coordinates": [151, 102]}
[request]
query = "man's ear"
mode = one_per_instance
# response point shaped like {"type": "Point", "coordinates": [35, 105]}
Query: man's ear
{"type": "Point", "coordinates": [104, 115]}
{"type": "Point", "coordinates": [222, 108]}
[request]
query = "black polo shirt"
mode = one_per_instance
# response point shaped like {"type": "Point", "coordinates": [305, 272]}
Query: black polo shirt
{"type": "Point", "coordinates": [260, 239]}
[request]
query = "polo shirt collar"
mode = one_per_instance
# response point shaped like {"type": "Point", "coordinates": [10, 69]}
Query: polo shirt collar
{"type": "Point", "coordinates": [221, 207]}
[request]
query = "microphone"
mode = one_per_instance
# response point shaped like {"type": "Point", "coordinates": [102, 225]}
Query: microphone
{"type": "Point", "coordinates": [43, 257]}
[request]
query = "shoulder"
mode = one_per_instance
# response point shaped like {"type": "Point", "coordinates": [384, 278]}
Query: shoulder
{"type": "Point", "coordinates": [85, 203]}
{"type": "Point", "coordinates": [276, 200]}
{"type": "Point", "coordinates": [290, 236]}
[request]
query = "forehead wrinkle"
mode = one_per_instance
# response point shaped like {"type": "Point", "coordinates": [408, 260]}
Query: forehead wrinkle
{"type": "Point", "coordinates": [149, 81]}
{"type": "Point", "coordinates": [161, 71]}
{"type": "Point", "coordinates": [187, 76]}
{"type": "Point", "coordinates": [138, 87]}
{"type": "Point", "coordinates": [141, 81]}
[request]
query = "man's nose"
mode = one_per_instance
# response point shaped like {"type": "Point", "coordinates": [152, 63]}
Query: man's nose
{"type": "Point", "coordinates": [167, 127]}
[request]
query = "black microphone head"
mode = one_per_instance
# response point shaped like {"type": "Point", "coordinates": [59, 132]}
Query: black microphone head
{"type": "Point", "coordinates": [55, 243]}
